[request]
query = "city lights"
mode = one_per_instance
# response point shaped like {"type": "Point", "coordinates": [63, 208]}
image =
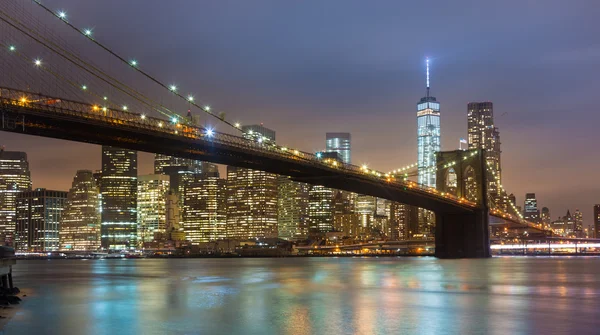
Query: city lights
{"type": "Point", "coordinates": [133, 62]}
{"type": "Point", "coordinates": [87, 32]}
{"type": "Point", "coordinates": [37, 62]}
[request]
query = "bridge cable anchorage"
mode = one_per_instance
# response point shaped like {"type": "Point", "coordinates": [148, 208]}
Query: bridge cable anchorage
{"type": "Point", "coordinates": [134, 64]}
{"type": "Point", "coordinates": [107, 81]}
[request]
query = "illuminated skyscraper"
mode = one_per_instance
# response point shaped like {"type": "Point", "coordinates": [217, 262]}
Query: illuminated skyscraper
{"type": "Point", "coordinates": [292, 209]}
{"type": "Point", "coordinates": [428, 136]}
{"type": "Point", "coordinates": [578, 218]}
{"type": "Point", "coordinates": [340, 143]}
{"type": "Point", "coordinates": [14, 178]}
{"type": "Point", "coordinates": [38, 219]}
{"type": "Point", "coordinates": [152, 192]}
{"type": "Point", "coordinates": [531, 211]}
{"type": "Point", "coordinates": [205, 208]}
{"type": "Point", "coordinates": [484, 135]}
{"type": "Point", "coordinates": [320, 210]}
{"type": "Point", "coordinates": [597, 221]}
{"type": "Point", "coordinates": [80, 220]}
{"type": "Point", "coordinates": [251, 203]}
{"type": "Point", "coordinates": [252, 195]}
{"type": "Point", "coordinates": [118, 187]}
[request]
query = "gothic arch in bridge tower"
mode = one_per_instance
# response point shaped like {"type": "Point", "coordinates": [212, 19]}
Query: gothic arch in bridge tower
{"type": "Point", "coordinates": [451, 181]}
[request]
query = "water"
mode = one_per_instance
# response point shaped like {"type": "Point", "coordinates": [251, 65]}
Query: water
{"type": "Point", "coordinates": [309, 296]}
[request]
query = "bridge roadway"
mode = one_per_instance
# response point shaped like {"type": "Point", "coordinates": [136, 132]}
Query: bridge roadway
{"type": "Point", "coordinates": [39, 115]}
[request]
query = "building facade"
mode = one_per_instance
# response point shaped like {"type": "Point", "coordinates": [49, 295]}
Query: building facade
{"type": "Point", "coordinates": [80, 220]}
{"type": "Point", "coordinates": [482, 134]}
{"type": "Point", "coordinates": [205, 209]}
{"type": "Point", "coordinates": [320, 210]}
{"type": "Point", "coordinates": [251, 203]}
{"type": "Point", "coordinates": [118, 189]}
{"type": "Point", "coordinates": [531, 211]}
{"type": "Point", "coordinates": [597, 221]}
{"type": "Point", "coordinates": [14, 178]}
{"type": "Point", "coordinates": [292, 209]}
{"type": "Point", "coordinates": [152, 193]}
{"type": "Point", "coordinates": [252, 195]}
{"type": "Point", "coordinates": [38, 217]}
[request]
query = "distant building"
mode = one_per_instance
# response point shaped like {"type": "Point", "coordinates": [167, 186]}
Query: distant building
{"type": "Point", "coordinates": [531, 211]}
{"type": "Point", "coordinates": [428, 136]}
{"type": "Point", "coordinates": [569, 221]}
{"type": "Point", "coordinates": [578, 218]}
{"type": "Point", "coordinates": [38, 220]}
{"type": "Point", "coordinates": [80, 219]}
{"type": "Point", "coordinates": [340, 143]}
{"type": "Point", "coordinates": [252, 195]}
{"type": "Point", "coordinates": [320, 210]}
{"type": "Point", "coordinates": [365, 207]}
{"type": "Point", "coordinates": [404, 221]}
{"type": "Point", "coordinates": [484, 135]}
{"type": "Point", "coordinates": [205, 209]}
{"type": "Point", "coordinates": [292, 209]}
{"type": "Point", "coordinates": [251, 203]}
{"type": "Point", "coordinates": [152, 193]}
{"type": "Point", "coordinates": [14, 178]}
{"type": "Point", "coordinates": [118, 187]}
{"type": "Point", "coordinates": [597, 221]}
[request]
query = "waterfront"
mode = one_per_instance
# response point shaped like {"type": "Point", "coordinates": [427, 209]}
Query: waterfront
{"type": "Point", "coordinates": [505, 295]}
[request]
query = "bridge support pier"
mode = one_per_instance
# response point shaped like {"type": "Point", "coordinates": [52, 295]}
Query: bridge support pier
{"type": "Point", "coordinates": [462, 235]}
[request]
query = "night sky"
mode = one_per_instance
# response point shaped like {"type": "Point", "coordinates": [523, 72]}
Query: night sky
{"type": "Point", "coordinates": [307, 67]}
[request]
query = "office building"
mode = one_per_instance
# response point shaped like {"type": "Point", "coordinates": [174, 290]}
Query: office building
{"type": "Point", "coordinates": [428, 136]}
{"type": "Point", "coordinates": [251, 203]}
{"type": "Point", "coordinates": [340, 143]}
{"type": "Point", "coordinates": [484, 135]}
{"type": "Point", "coordinates": [14, 178]}
{"type": "Point", "coordinates": [320, 210]}
{"type": "Point", "coordinates": [38, 217]}
{"type": "Point", "coordinates": [118, 189]}
{"type": "Point", "coordinates": [597, 221]}
{"type": "Point", "coordinates": [252, 195]}
{"type": "Point", "coordinates": [152, 193]}
{"type": "Point", "coordinates": [531, 211]}
{"type": "Point", "coordinates": [205, 208]}
{"type": "Point", "coordinates": [80, 220]}
{"type": "Point", "coordinates": [578, 219]}
{"type": "Point", "coordinates": [292, 209]}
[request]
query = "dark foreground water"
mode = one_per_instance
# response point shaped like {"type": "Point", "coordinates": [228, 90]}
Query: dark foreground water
{"type": "Point", "coordinates": [309, 296]}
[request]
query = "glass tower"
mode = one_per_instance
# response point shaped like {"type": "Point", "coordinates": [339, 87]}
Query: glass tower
{"type": "Point", "coordinates": [80, 220]}
{"type": "Point", "coordinates": [428, 136]}
{"type": "Point", "coordinates": [14, 178]}
{"type": "Point", "coordinates": [340, 143]}
{"type": "Point", "coordinates": [152, 192]}
{"type": "Point", "coordinates": [118, 187]}
{"type": "Point", "coordinates": [38, 219]}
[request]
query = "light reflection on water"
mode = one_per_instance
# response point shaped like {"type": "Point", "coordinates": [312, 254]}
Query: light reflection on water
{"type": "Point", "coordinates": [309, 296]}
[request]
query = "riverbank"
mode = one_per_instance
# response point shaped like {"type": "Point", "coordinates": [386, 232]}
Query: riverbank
{"type": "Point", "coordinates": [7, 313]}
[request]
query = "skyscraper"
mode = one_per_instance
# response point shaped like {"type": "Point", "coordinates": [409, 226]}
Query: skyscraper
{"type": "Point", "coordinates": [118, 187]}
{"type": "Point", "coordinates": [320, 210]}
{"type": "Point", "coordinates": [251, 203]}
{"type": "Point", "coordinates": [205, 208]}
{"type": "Point", "coordinates": [597, 221]}
{"type": "Point", "coordinates": [484, 135]}
{"type": "Point", "coordinates": [292, 209]}
{"type": "Point", "coordinates": [80, 220]}
{"type": "Point", "coordinates": [14, 178]}
{"type": "Point", "coordinates": [252, 195]}
{"type": "Point", "coordinates": [340, 143]}
{"type": "Point", "coordinates": [428, 136]}
{"type": "Point", "coordinates": [578, 218]}
{"type": "Point", "coordinates": [38, 219]}
{"type": "Point", "coordinates": [152, 192]}
{"type": "Point", "coordinates": [531, 211]}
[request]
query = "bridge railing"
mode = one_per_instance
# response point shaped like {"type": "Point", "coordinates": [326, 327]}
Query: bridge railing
{"type": "Point", "coordinates": [177, 127]}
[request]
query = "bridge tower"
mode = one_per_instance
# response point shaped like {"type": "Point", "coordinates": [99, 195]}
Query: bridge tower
{"type": "Point", "coordinates": [463, 234]}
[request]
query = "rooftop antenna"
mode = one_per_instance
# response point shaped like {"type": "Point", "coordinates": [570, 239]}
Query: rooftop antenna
{"type": "Point", "coordinates": [427, 63]}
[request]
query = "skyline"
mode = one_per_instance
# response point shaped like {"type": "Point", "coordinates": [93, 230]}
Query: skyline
{"type": "Point", "coordinates": [376, 83]}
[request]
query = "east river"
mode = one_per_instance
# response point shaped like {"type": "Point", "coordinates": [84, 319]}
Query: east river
{"type": "Point", "coordinates": [502, 295]}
